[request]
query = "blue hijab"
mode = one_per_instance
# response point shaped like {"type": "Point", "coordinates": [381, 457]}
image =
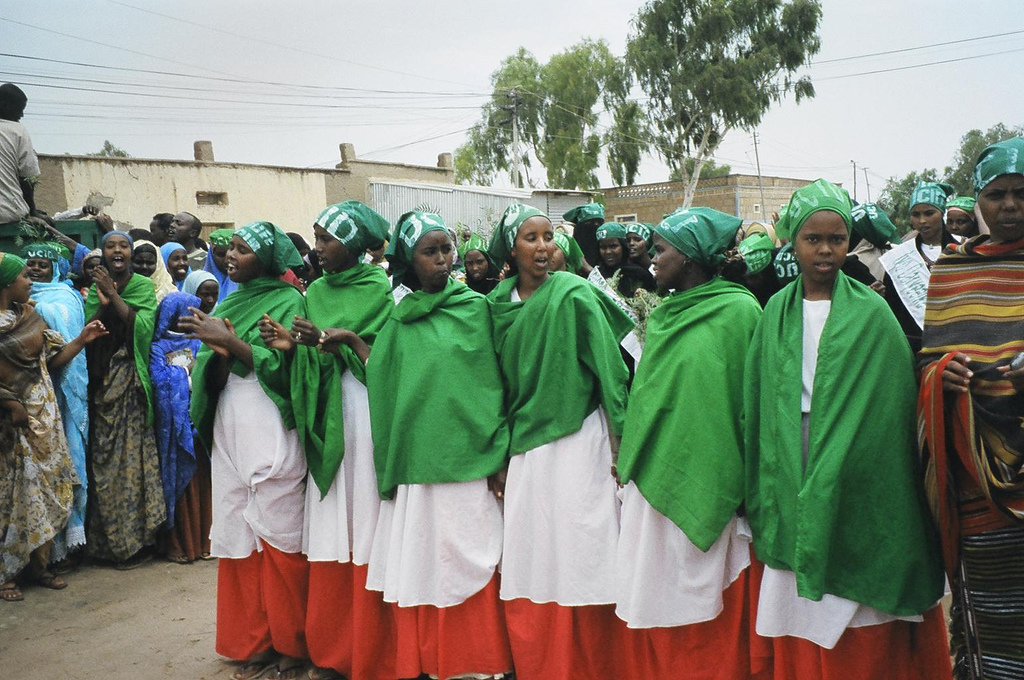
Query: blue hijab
{"type": "Point", "coordinates": [165, 252]}
{"type": "Point", "coordinates": [226, 284]}
{"type": "Point", "coordinates": [171, 395]}
{"type": "Point", "coordinates": [63, 310]}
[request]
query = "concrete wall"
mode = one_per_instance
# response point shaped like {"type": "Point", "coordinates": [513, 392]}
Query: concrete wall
{"type": "Point", "coordinates": [735, 194]}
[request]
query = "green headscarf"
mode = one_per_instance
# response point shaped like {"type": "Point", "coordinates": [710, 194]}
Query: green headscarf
{"type": "Point", "coordinates": [965, 203]}
{"type": "Point", "coordinates": [10, 266]}
{"type": "Point", "coordinates": [221, 237]}
{"type": "Point", "coordinates": [642, 230]}
{"type": "Point", "coordinates": [815, 197]}
{"type": "Point", "coordinates": [782, 225]}
{"type": "Point", "coordinates": [356, 225]}
{"type": "Point", "coordinates": [474, 242]}
{"type": "Point", "coordinates": [42, 251]}
{"type": "Point", "coordinates": [756, 250]}
{"type": "Point", "coordinates": [872, 224]}
{"type": "Point", "coordinates": [411, 227]}
{"type": "Point", "coordinates": [571, 250]}
{"type": "Point", "coordinates": [503, 238]}
{"type": "Point", "coordinates": [611, 230]}
{"type": "Point", "coordinates": [271, 245]}
{"type": "Point", "coordinates": [1002, 158]}
{"type": "Point", "coordinates": [934, 194]}
{"type": "Point", "coordinates": [584, 213]}
{"type": "Point", "coordinates": [702, 234]}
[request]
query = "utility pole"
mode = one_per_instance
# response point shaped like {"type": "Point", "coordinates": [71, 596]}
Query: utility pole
{"type": "Point", "coordinates": [854, 179]}
{"type": "Point", "coordinates": [513, 95]}
{"type": "Point", "coordinates": [868, 183]}
{"type": "Point", "coordinates": [760, 184]}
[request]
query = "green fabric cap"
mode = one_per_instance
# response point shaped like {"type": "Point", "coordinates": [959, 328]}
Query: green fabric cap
{"type": "Point", "coordinates": [684, 454]}
{"type": "Point", "coordinates": [356, 225]}
{"type": "Point", "coordinates": [271, 245]}
{"type": "Point", "coordinates": [642, 230]}
{"type": "Point", "coordinates": [221, 237]}
{"type": "Point", "coordinates": [10, 266]}
{"type": "Point", "coordinates": [474, 242]}
{"type": "Point", "coordinates": [965, 203]}
{"type": "Point", "coordinates": [504, 236]}
{"type": "Point", "coordinates": [934, 194]}
{"type": "Point", "coordinates": [702, 234]}
{"type": "Point", "coordinates": [1002, 158]}
{"type": "Point", "coordinates": [871, 223]}
{"type": "Point", "coordinates": [410, 229]}
{"type": "Point", "coordinates": [572, 251]}
{"type": "Point", "coordinates": [42, 251]}
{"type": "Point", "coordinates": [756, 250]}
{"type": "Point", "coordinates": [584, 213]}
{"type": "Point", "coordinates": [815, 197]}
{"type": "Point", "coordinates": [611, 230]}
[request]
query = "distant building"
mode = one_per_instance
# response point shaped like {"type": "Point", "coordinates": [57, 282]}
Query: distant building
{"type": "Point", "coordinates": [738, 195]}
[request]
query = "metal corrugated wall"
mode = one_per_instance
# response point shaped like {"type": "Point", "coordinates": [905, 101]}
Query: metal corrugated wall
{"type": "Point", "coordinates": [471, 207]}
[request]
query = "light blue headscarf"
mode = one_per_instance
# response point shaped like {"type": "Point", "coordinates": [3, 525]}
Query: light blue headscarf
{"type": "Point", "coordinates": [165, 252]}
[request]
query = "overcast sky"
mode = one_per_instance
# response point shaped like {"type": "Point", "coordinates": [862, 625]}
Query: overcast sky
{"type": "Point", "coordinates": [433, 61]}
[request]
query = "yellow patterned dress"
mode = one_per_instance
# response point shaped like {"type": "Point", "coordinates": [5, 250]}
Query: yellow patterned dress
{"type": "Point", "coordinates": [37, 476]}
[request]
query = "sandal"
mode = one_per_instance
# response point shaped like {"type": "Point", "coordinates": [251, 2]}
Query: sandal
{"type": "Point", "coordinates": [134, 562]}
{"type": "Point", "coordinates": [290, 668]}
{"type": "Point", "coordinates": [47, 579]}
{"type": "Point", "coordinates": [317, 673]}
{"type": "Point", "coordinates": [255, 667]}
{"type": "Point", "coordinates": [178, 559]}
{"type": "Point", "coordinates": [10, 592]}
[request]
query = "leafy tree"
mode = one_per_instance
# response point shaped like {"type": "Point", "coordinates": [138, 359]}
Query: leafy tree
{"type": "Point", "coordinates": [895, 197]}
{"type": "Point", "coordinates": [110, 150]}
{"type": "Point", "coordinates": [961, 173]}
{"type": "Point", "coordinates": [626, 142]}
{"type": "Point", "coordinates": [709, 66]}
{"type": "Point", "coordinates": [710, 169]}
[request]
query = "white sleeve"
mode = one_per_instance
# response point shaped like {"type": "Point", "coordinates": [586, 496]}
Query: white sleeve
{"type": "Point", "coordinates": [28, 163]}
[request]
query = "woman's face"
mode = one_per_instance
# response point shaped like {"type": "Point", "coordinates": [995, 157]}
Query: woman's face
{"type": "Point", "coordinates": [432, 260]}
{"type": "Point", "coordinates": [1002, 207]}
{"type": "Point", "coordinates": [117, 251]}
{"type": "Point", "coordinates": [535, 241]}
{"type": "Point", "coordinates": [40, 269]}
{"type": "Point", "coordinates": [89, 265]}
{"type": "Point", "coordinates": [144, 261]}
{"type": "Point", "coordinates": [207, 292]}
{"type": "Point", "coordinates": [220, 257]}
{"type": "Point", "coordinates": [669, 265]}
{"type": "Point", "coordinates": [610, 252]}
{"type": "Point", "coordinates": [21, 288]}
{"type": "Point", "coordinates": [332, 253]}
{"type": "Point", "coordinates": [557, 261]}
{"type": "Point", "coordinates": [242, 264]}
{"type": "Point", "coordinates": [927, 220]}
{"type": "Point", "coordinates": [820, 247]}
{"type": "Point", "coordinates": [960, 223]}
{"type": "Point", "coordinates": [476, 266]}
{"type": "Point", "coordinates": [637, 246]}
{"type": "Point", "coordinates": [177, 265]}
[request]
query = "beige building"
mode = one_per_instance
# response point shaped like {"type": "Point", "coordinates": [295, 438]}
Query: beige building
{"type": "Point", "coordinates": [734, 194]}
{"type": "Point", "coordinates": [220, 194]}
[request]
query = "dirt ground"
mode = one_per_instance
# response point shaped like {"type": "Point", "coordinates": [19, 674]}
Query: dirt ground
{"type": "Point", "coordinates": [154, 622]}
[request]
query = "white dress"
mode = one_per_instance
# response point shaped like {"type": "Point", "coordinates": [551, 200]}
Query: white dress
{"type": "Point", "coordinates": [258, 472]}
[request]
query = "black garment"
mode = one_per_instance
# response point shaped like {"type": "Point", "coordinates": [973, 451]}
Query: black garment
{"type": "Point", "coordinates": [899, 310]}
{"type": "Point", "coordinates": [586, 236]}
{"type": "Point", "coordinates": [484, 286]}
{"type": "Point", "coordinates": [633, 278]}
{"type": "Point", "coordinates": [856, 269]}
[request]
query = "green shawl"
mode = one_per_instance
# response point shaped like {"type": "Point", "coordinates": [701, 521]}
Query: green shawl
{"type": "Point", "coordinates": [244, 308]}
{"type": "Point", "coordinates": [141, 297]}
{"type": "Point", "coordinates": [559, 355]}
{"type": "Point", "coordinates": [357, 299]}
{"type": "Point", "coordinates": [855, 524]}
{"type": "Point", "coordinates": [686, 454]}
{"type": "Point", "coordinates": [436, 397]}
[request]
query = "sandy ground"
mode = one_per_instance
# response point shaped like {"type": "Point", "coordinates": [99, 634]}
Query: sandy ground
{"type": "Point", "coordinates": [156, 622]}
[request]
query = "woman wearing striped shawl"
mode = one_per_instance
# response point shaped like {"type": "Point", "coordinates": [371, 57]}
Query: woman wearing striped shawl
{"type": "Point", "coordinates": [971, 406]}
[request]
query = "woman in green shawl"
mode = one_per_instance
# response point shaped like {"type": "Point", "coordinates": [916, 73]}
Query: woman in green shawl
{"type": "Point", "coordinates": [683, 550]}
{"type": "Point", "coordinates": [126, 505]}
{"type": "Point", "coordinates": [242, 409]}
{"type": "Point", "coordinates": [852, 571]}
{"type": "Point", "coordinates": [481, 274]}
{"type": "Point", "coordinates": [349, 629]}
{"type": "Point", "coordinates": [557, 339]}
{"type": "Point", "coordinates": [439, 433]}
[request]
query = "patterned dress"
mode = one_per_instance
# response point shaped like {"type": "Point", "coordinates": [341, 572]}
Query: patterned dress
{"type": "Point", "coordinates": [37, 476]}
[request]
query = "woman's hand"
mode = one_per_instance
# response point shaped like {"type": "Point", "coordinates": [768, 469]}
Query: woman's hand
{"type": "Point", "coordinates": [305, 332]}
{"type": "Point", "coordinates": [274, 335]}
{"type": "Point", "coordinates": [496, 483]}
{"type": "Point", "coordinates": [332, 338]}
{"type": "Point", "coordinates": [17, 412]}
{"type": "Point", "coordinates": [957, 377]}
{"type": "Point", "coordinates": [92, 331]}
{"type": "Point", "coordinates": [105, 286]}
{"type": "Point", "coordinates": [1015, 377]}
{"type": "Point", "coordinates": [212, 331]}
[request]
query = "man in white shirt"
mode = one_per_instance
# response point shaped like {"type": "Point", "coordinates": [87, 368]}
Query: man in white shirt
{"type": "Point", "coordinates": [19, 167]}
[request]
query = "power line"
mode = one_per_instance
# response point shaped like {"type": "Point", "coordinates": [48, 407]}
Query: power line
{"type": "Point", "coordinates": [914, 66]}
{"type": "Point", "coordinates": [919, 47]}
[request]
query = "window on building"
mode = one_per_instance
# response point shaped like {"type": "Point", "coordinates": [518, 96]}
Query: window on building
{"type": "Point", "coordinates": [622, 219]}
{"type": "Point", "coordinates": [211, 198]}
{"type": "Point", "coordinates": [757, 208]}
{"type": "Point", "coordinates": [210, 227]}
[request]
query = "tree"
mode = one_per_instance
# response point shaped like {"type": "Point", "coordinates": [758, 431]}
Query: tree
{"type": "Point", "coordinates": [109, 150]}
{"type": "Point", "coordinates": [961, 173]}
{"type": "Point", "coordinates": [710, 169]}
{"type": "Point", "coordinates": [710, 66]}
{"type": "Point", "coordinates": [895, 197]}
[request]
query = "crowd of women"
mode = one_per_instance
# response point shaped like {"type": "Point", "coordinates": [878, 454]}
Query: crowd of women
{"type": "Point", "coordinates": [536, 465]}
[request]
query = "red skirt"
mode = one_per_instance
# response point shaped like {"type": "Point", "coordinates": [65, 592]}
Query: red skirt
{"type": "Point", "coordinates": [552, 642]}
{"type": "Point", "coordinates": [261, 604]}
{"type": "Point", "coordinates": [710, 650]}
{"type": "Point", "coordinates": [469, 637]}
{"type": "Point", "coordinates": [349, 628]}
